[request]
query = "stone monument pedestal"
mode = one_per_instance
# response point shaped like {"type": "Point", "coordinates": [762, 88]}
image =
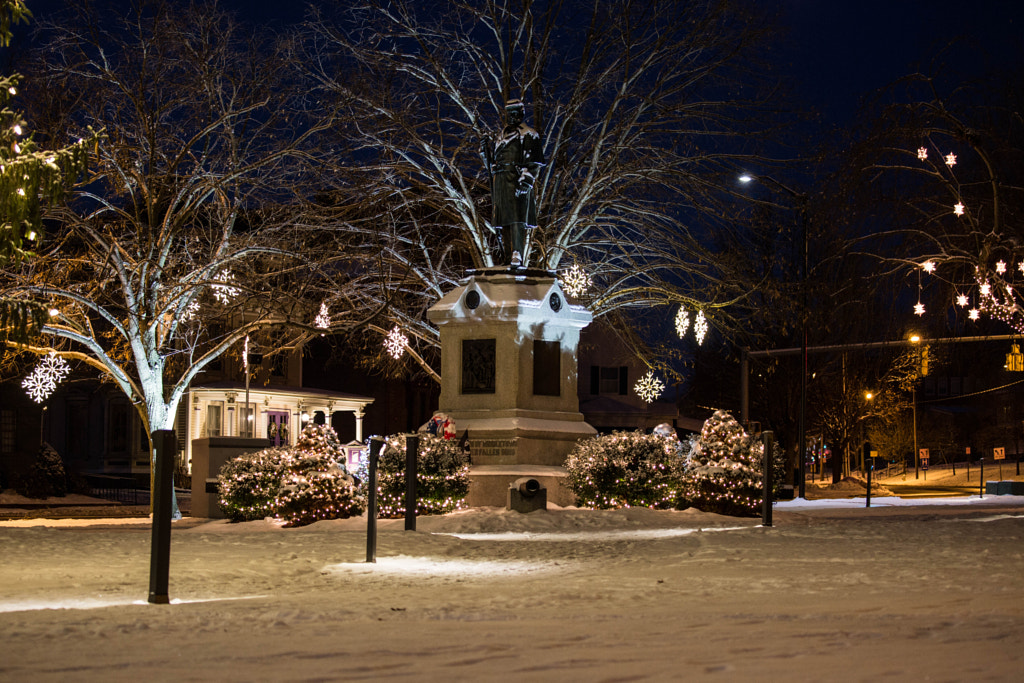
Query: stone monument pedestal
{"type": "Point", "coordinates": [508, 369]}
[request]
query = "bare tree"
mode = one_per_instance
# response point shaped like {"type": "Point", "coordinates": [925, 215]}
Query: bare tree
{"type": "Point", "coordinates": [943, 166]}
{"type": "Point", "coordinates": [645, 109]}
{"type": "Point", "coordinates": [190, 233]}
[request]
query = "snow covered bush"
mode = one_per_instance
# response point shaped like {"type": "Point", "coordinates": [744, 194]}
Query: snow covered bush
{"type": "Point", "coordinates": [248, 485]}
{"type": "Point", "coordinates": [316, 484]}
{"type": "Point", "coordinates": [442, 476]}
{"type": "Point", "coordinates": [723, 474]}
{"type": "Point", "coordinates": [46, 477]}
{"type": "Point", "coordinates": [624, 469]}
{"type": "Point", "coordinates": [301, 485]}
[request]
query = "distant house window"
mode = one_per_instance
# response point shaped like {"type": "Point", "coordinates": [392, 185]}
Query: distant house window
{"type": "Point", "coordinates": [547, 370]}
{"type": "Point", "coordinates": [213, 420]}
{"type": "Point", "coordinates": [8, 420]}
{"type": "Point", "coordinates": [118, 435]}
{"type": "Point", "coordinates": [609, 380]}
{"type": "Point", "coordinates": [279, 366]}
{"type": "Point", "coordinates": [246, 425]}
{"type": "Point", "coordinates": [77, 429]}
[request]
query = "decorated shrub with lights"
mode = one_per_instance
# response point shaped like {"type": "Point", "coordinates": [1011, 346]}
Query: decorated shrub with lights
{"type": "Point", "coordinates": [301, 484]}
{"type": "Point", "coordinates": [248, 485]}
{"type": "Point", "coordinates": [442, 476]}
{"type": "Point", "coordinates": [315, 483]}
{"type": "Point", "coordinates": [723, 474]}
{"type": "Point", "coordinates": [625, 469]}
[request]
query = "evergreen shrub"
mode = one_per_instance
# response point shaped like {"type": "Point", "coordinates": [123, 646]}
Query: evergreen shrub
{"type": "Point", "coordinates": [442, 476]}
{"type": "Point", "coordinates": [625, 469]}
{"type": "Point", "coordinates": [300, 484]}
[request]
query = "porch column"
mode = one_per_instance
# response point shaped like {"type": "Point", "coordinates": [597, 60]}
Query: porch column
{"type": "Point", "coordinates": [359, 425]}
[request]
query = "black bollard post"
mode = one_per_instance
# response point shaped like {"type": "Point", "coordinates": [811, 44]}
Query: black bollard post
{"type": "Point", "coordinates": [766, 486]}
{"type": "Point", "coordinates": [164, 449]}
{"type": "Point", "coordinates": [412, 447]}
{"type": "Point", "coordinates": [981, 478]}
{"type": "Point", "coordinates": [371, 499]}
{"type": "Point", "coordinates": [867, 498]}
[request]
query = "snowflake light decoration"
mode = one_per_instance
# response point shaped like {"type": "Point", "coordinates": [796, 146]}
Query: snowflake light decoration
{"type": "Point", "coordinates": [1001, 267]}
{"type": "Point", "coordinates": [929, 266]}
{"type": "Point", "coordinates": [922, 153]}
{"type": "Point", "coordinates": [919, 308]}
{"type": "Point", "coordinates": [682, 322]}
{"type": "Point", "coordinates": [700, 327]}
{"type": "Point", "coordinates": [950, 160]}
{"type": "Point", "coordinates": [961, 300]}
{"type": "Point", "coordinates": [974, 314]}
{"type": "Point", "coordinates": [224, 293]}
{"type": "Point", "coordinates": [1020, 266]}
{"type": "Point", "coordinates": [50, 372]}
{"type": "Point", "coordinates": [395, 343]}
{"type": "Point", "coordinates": [958, 209]}
{"type": "Point", "coordinates": [190, 312]}
{"type": "Point", "coordinates": [649, 387]}
{"type": "Point", "coordinates": [575, 281]}
{"type": "Point", "coordinates": [323, 318]}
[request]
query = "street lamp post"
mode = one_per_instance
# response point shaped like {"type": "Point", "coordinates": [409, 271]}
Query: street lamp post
{"type": "Point", "coordinates": [802, 437]}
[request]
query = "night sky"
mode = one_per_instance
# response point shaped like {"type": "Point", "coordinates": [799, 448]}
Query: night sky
{"type": "Point", "coordinates": [831, 52]}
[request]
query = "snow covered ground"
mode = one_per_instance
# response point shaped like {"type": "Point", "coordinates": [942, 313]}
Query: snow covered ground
{"type": "Point", "coordinates": [906, 590]}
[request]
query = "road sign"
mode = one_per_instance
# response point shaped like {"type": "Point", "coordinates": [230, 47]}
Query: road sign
{"type": "Point", "coordinates": [968, 450]}
{"type": "Point", "coordinates": [924, 453]}
{"type": "Point", "coordinates": [999, 453]}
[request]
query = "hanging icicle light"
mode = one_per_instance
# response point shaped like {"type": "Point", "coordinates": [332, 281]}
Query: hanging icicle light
{"type": "Point", "coordinates": [395, 343]}
{"type": "Point", "coordinates": [700, 327]}
{"type": "Point", "coordinates": [575, 281]}
{"type": "Point", "coordinates": [649, 387]}
{"type": "Point", "coordinates": [323, 318]}
{"type": "Point", "coordinates": [682, 321]}
{"type": "Point", "coordinates": [50, 372]}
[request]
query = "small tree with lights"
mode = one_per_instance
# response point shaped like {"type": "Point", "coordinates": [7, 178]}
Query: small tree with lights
{"type": "Point", "coordinates": [316, 484]}
{"type": "Point", "coordinates": [249, 484]}
{"type": "Point", "coordinates": [625, 469]}
{"type": "Point", "coordinates": [442, 476]}
{"type": "Point", "coordinates": [300, 485]}
{"type": "Point", "coordinates": [724, 476]}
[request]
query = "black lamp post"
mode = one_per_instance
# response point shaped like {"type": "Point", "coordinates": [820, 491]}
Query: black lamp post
{"type": "Point", "coordinates": [802, 438]}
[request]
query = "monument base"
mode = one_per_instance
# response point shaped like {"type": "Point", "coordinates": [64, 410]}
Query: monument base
{"type": "Point", "coordinates": [488, 484]}
{"type": "Point", "coordinates": [522, 440]}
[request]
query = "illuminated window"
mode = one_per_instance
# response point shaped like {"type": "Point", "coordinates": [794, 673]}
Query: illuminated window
{"type": "Point", "coordinates": [213, 420]}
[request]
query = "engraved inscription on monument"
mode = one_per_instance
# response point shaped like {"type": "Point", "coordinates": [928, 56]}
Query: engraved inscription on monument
{"type": "Point", "coordinates": [490, 448]}
{"type": "Point", "coordinates": [478, 366]}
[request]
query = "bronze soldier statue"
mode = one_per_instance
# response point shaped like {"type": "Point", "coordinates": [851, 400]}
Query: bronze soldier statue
{"type": "Point", "coordinates": [514, 160]}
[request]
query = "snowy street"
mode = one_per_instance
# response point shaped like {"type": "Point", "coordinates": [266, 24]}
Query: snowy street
{"type": "Point", "coordinates": [830, 592]}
